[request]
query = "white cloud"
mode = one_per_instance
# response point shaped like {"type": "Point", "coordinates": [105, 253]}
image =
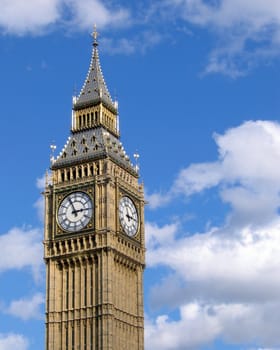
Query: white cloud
{"type": "Point", "coordinates": [23, 17]}
{"type": "Point", "coordinates": [40, 203]}
{"type": "Point", "coordinates": [221, 265]}
{"type": "Point", "coordinates": [87, 12]}
{"type": "Point", "coordinates": [234, 323]}
{"type": "Point", "coordinates": [166, 334]}
{"type": "Point", "coordinates": [13, 341]}
{"type": "Point", "coordinates": [40, 207]}
{"type": "Point", "coordinates": [41, 181]}
{"type": "Point", "coordinates": [226, 285]}
{"type": "Point", "coordinates": [138, 43]}
{"type": "Point", "coordinates": [247, 176]}
{"type": "Point", "coordinates": [27, 309]}
{"type": "Point", "coordinates": [246, 172]}
{"type": "Point", "coordinates": [156, 200]}
{"type": "Point", "coordinates": [198, 177]}
{"type": "Point", "coordinates": [36, 16]}
{"type": "Point", "coordinates": [157, 236]}
{"type": "Point", "coordinates": [22, 248]}
{"type": "Point", "coordinates": [227, 278]}
{"type": "Point", "coordinates": [246, 30]}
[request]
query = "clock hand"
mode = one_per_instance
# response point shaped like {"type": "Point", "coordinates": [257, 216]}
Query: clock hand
{"type": "Point", "coordinates": [130, 217]}
{"type": "Point", "coordinates": [77, 211]}
{"type": "Point", "coordinates": [128, 213]}
{"type": "Point", "coordinates": [72, 205]}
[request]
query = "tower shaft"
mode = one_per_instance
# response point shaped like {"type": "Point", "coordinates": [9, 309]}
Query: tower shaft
{"type": "Point", "coordinates": [94, 245]}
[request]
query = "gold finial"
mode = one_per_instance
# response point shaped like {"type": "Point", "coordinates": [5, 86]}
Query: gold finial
{"type": "Point", "coordinates": [136, 157]}
{"type": "Point", "coordinates": [53, 148]}
{"type": "Point", "coordinates": [95, 36]}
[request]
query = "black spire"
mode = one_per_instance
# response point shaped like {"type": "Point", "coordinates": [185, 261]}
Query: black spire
{"type": "Point", "coordinates": [94, 89]}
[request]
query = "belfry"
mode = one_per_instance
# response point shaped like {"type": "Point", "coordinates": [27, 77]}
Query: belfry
{"type": "Point", "coordinates": [94, 245]}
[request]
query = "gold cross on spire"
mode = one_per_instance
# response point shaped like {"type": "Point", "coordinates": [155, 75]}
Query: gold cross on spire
{"type": "Point", "coordinates": [95, 35]}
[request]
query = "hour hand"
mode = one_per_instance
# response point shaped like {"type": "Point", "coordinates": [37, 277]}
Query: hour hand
{"type": "Point", "coordinates": [130, 217]}
{"type": "Point", "coordinates": [78, 211]}
{"type": "Point", "coordinates": [74, 211]}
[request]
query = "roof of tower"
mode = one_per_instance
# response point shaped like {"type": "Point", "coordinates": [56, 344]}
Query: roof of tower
{"type": "Point", "coordinates": [94, 89]}
{"type": "Point", "coordinates": [90, 145]}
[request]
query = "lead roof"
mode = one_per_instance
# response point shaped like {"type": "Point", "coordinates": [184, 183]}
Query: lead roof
{"type": "Point", "coordinates": [94, 89]}
{"type": "Point", "coordinates": [90, 145]}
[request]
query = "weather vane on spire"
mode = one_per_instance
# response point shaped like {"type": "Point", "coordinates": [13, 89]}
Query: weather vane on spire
{"type": "Point", "coordinates": [95, 35]}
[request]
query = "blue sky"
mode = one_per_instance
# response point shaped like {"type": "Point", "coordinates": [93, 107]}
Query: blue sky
{"type": "Point", "coordinates": [198, 89]}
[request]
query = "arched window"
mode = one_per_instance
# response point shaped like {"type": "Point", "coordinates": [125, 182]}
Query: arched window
{"type": "Point", "coordinates": [80, 172]}
{"type": "Point", "coordinates": [74, 173]}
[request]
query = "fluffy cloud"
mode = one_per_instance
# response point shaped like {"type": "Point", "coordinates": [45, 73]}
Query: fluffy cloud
{"type": "Point", "coordinates": [226, 283]}
{"type": "Point", "coordinates": [159, 236]}
{"type": "Point", "coordinates": [87, 12]}
{"type": "Point", "coordinates": [21, 248]}
{"type": "Point", "coordinates": [138, 43]}
{"type": "Point", "coordinates": [166, 334]}
{"type": "Point", "coordinates": [36, 16]}
{"type": "Point", "coordinates": [13, 341]}
{"type": "Point", "coordinates": [156, 200]}
{"type": "Point", "coordinates": [40, 203]}
{"type": "Point", "coordinates": [21, 17]}
{"type": "Point", "coordinates": [41, 181]}
{"type": "Point", "coordinates": [246, 172]}
{"type": "Point", "coordinates": [40, 207]}
{"type": "Point", "coordinates": [201, 324]}
{"type": "Point", "coordinates": [27, 309]}
{"type": "Point", "coordinates": [223, 266]}
{"type": "Point", "coordinates": [247, 30]}
{"type": "Point", "coordinates": [224, 280]}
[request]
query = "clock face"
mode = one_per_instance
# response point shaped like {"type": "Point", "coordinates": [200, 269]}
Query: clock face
{"type": "Point", "coordinates": [128, 216]}
{"type": "Point", "coordinates": [75, 211]}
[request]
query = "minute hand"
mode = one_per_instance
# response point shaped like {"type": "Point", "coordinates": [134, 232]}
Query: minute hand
{"type": "Point", "coordinates": [130, 217]}
{"type": "Point", "coordinates": [78, 210]}
{"type": "Point", "coordinates": [72, 205]}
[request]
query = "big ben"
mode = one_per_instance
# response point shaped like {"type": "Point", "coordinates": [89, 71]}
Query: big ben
{"type": "Point", "coordinates": [94, 245]}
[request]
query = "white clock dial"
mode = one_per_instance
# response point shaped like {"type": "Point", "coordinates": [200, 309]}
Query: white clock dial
{"type": "Point", "coordinates": [75, 211]}
{"type": "Point", "coordinates": [128, 216]}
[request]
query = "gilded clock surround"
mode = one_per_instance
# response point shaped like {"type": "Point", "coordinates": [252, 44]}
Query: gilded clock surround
{"type": "Point", "coordinates": [94, 276]}
{"type": "Point", "coordinates": [75, 212]}
{"type": "Point", "coordinates": [128, 216]}
{"type": "Point", "coordinates": [61, 195]}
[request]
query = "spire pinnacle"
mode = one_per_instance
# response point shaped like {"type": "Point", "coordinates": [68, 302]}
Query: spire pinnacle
{"type": "Point", "coordinates": [95, 35]}
{"type": "Point", "coordinates": [94, 90]}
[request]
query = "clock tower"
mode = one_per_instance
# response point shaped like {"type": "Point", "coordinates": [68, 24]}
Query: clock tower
{"type": "Point", "coordinates": [94, 231]}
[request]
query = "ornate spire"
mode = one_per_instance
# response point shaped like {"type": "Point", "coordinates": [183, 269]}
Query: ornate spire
{"type": "Point", "coordinates": [94, 89]}
{"type": "Point", "coordinates": [95, 36]}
